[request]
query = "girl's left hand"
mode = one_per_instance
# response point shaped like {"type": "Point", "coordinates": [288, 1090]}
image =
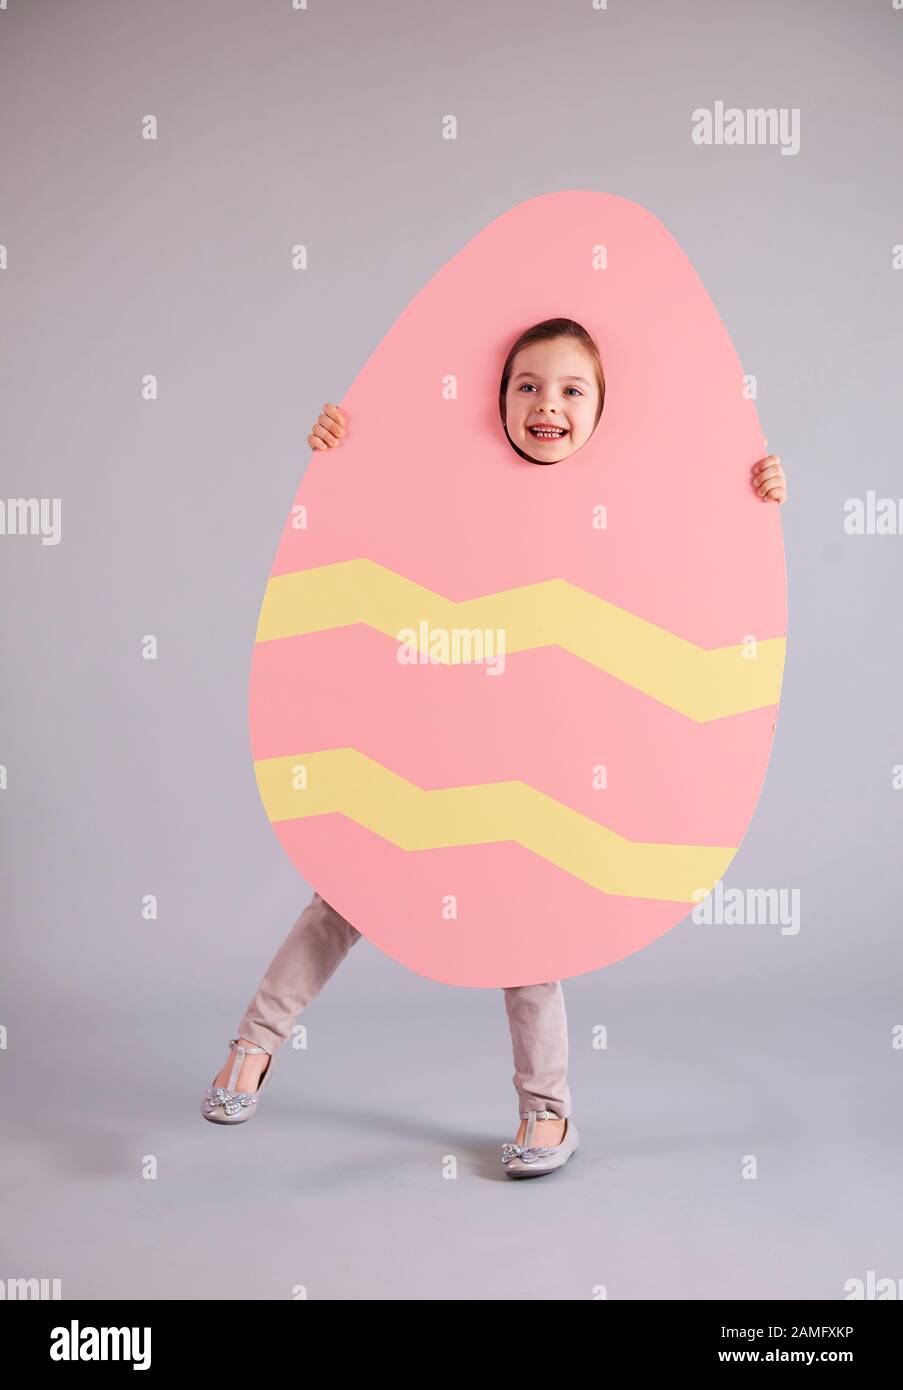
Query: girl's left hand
{"type": "Point", "coordinates": [768, 478]}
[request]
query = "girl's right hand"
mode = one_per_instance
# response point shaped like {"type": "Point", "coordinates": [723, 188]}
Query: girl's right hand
{"type": "Point", "coordinates": [329, 429]}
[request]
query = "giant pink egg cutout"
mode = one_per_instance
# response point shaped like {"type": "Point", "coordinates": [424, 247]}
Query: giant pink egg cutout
{"type": "Point", "coordinates": [512, 720]}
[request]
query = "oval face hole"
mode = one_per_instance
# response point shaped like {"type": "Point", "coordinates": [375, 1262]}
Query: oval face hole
{"type": "Point", "coordinates": [552, 391]}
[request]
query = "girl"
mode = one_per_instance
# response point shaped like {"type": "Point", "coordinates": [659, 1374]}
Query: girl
{"type": "Point", "coordinates": [550, 398]}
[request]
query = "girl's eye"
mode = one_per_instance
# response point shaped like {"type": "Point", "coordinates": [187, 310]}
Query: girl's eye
{"type": "Point", "coordinates": [528, 386]}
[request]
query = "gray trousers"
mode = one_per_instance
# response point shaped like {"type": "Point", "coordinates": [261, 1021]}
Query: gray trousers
{"type": "Point", "coordinates": [318, 943]}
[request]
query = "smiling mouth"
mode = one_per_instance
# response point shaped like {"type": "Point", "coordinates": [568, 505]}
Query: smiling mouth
{"type": "Point", "coordinates": [547, 432]}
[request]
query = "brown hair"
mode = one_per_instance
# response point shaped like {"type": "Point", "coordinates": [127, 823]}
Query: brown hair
{"type": "Point", "coordinates": [542, 332]}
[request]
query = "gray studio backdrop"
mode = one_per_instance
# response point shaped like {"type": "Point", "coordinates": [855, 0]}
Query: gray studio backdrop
{"type": "Point", "coordinates": [741, 1129]}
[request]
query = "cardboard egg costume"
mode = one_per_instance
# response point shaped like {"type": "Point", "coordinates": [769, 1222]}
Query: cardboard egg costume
{"type": "Point", "coordinates": [512, 720]}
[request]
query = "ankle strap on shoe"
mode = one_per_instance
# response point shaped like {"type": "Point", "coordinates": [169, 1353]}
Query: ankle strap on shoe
{"type": "Point", "coordinates": [531, 1117]}
{"type": "Point", "coordinates": [240, 1053]}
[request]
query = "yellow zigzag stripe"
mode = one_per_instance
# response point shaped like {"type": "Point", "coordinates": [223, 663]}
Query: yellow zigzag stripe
{"type": "Point", "coordinates": [344, 780]}
{"type": "Point", "coordinates": [700, 684]}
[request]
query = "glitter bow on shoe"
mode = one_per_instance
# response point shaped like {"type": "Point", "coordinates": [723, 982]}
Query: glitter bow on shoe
{"type": "Point", "coordinates": [510, 1151]}
{"type": "Point", "coordinates": [231, 1101]}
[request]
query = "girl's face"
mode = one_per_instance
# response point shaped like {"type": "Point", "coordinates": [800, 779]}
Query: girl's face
{"type": "Point", "coordinates": [552, 399]}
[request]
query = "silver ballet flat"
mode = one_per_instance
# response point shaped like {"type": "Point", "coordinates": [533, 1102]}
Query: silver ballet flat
{"type": "Point", "coordinates": [223, 1105]}
{"type": "Point", "coordinates": [525, 1161]}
